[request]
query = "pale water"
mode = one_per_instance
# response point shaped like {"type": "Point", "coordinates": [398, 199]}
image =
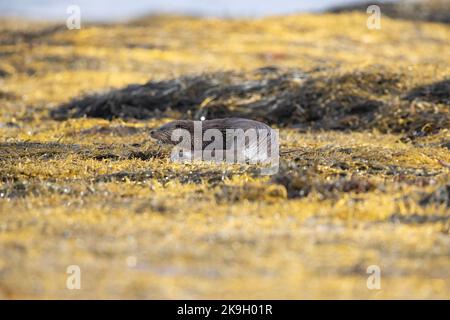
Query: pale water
{"type": "Point", "coordinates": [116, 10]}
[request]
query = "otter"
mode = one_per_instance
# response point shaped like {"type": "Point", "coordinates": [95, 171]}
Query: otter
{"type": "Point", "coordinates": [226, 126]}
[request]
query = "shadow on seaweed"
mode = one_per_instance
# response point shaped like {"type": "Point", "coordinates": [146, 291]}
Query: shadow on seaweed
{"type": "Point", "coordinates": [359, 100]}
{"type": "Point", "coordinates": [46, 151]}
{"type": "Point", "coordinates": [438, 92]}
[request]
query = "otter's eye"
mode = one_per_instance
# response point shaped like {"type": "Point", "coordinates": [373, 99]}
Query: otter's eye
{"type": "Point", "coordinates": [178, 126]}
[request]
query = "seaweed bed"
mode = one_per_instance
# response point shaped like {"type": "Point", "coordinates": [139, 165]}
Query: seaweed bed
{"type": "Point", "coordinates": [363, 115]}
{"type": "Point", "coordinates": [360, 100]}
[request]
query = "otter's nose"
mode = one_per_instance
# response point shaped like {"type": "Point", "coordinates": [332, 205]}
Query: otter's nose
{"type": "Point", "coordinates": [153, 133]}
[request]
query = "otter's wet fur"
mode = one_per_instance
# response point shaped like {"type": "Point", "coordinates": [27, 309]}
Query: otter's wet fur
{"type": "Point", "coordinates": [263, 132]}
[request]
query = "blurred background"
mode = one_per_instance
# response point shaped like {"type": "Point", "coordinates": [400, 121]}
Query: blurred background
{"type": "Point", "coordinates": [367, 112]}
{"type": "Point", "coordinates": [122, 9]}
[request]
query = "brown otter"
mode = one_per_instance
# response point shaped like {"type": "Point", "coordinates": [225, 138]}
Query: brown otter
{"type": "Point", "coordinates": [226, 127]}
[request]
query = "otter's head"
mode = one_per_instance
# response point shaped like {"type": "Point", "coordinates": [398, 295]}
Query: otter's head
{"type": "Point", "coordinates": [164, 133]}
